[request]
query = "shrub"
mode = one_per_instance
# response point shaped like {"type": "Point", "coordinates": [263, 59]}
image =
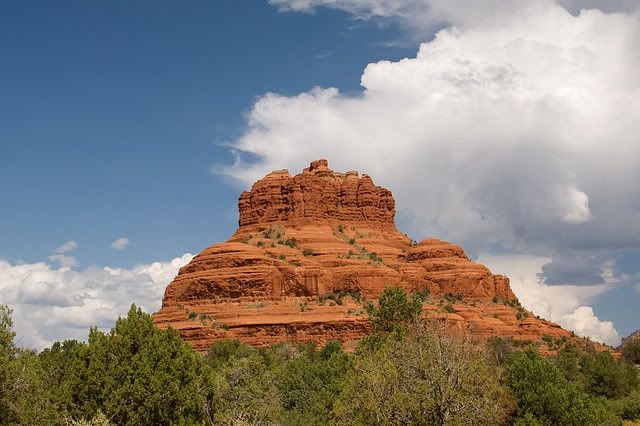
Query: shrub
{"type": "Point", "coordinates": [244, 391]}
{"type": "Point", "coordinates": [545, 395]}
{"type": "Point", "coordinates": [137, 374]}
{"type": "Point", "coordinates": [192, 316]}
{"type": "Point", "coordinates": [289, 242]}
{"type": "Point", "coordinates": [260, 243]}
{"type": "Point", "coordinates": [311, 382]}
{"type": "Point", "coordinates": [352, 241]}
{"type": "Point", "coordinates": [341, 228]}
{"type": "Point", "coordinates": [603, 375]}
{"type": "Point", "coordinates": [223, 351]}
{"type": "Point", "coordinates": [274, 232]}
{"type": "Point", "coordinates": [426, 377]}
{"type": "Point", "coordinates": [331, 296]}
{"type": "Point", "coordinates": [282, 257]}
{"type": "Point", "coordinates": [395, 310]}
{"type": "Point", "coordinates": [449, 308]}
{"type": "Point", "coordinates": [453, 298]}
{"type": "Point", "coordinates": [307, 252]}
{"type": "Point", "coordinates": [374, 257]}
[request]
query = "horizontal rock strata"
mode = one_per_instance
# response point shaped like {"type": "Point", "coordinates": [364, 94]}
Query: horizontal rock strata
{"type": "Point", "coordinates": [310, 250]}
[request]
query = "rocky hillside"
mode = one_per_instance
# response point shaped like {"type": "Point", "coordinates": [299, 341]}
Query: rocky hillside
{"type": "Point", "coordinates": [629, 338]}
{"type": "Point", "coordinates": [311, 250]}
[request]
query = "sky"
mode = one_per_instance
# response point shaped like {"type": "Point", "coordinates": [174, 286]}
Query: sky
{"type": "Point", "coordinates": [129, 128]}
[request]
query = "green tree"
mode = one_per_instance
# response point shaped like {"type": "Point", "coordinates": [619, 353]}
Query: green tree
{"type": "Point", "coordinates": [137, 374]}
{"type": "Point", "coordinates": [396, 310]}
{"type": "Point", "coordinates": [603, 375]}
{"type": "Point", "coordinates": [7, 354]}
{"type": "Point", "coordinates": [427, 377]}
{"type": "Point", "coordinates": [244, 392]}
{"type": "Point", "coordinates": [222, 351]}
{"type": "Point", "coordinates": [545, 396]}
{"type": "Point", "coordinates": [311, 382]}
{"type": "Point", "coordinates": [23, 395]}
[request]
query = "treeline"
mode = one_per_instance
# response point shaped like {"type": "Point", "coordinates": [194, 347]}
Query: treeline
{"type": "Point", "coordinates": [407, 371]}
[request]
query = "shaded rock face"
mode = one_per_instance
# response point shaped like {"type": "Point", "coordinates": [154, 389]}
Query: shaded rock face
{"type": "Point", "coordinates": [310, 250]}
{"type": "Point", "coordinates": [629, 338]}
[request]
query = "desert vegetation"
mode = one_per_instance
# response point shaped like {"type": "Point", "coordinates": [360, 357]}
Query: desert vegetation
{"type": "Point", "coordinates": [406, 371]}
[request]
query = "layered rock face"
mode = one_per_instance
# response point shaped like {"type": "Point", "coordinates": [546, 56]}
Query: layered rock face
{"type": "Point", "coordinates": [311, 249]}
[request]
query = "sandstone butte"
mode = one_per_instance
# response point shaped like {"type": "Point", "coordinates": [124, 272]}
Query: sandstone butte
{"type": "Point", "coordinates": [311, 249]}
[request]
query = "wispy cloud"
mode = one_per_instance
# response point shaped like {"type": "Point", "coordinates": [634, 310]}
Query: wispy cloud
{"type": "Point", "coordinates": [323, 54]}
{"type": "Point", "coordinates": [64, 261]}
{"type": "Point", "coordinates": [120, 243]}
{"type": "Point", "coordinates": [66, 247]}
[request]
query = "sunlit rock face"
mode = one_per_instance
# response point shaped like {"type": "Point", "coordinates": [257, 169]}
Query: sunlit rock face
{"type": "Point", "coordinates": [310, 250]}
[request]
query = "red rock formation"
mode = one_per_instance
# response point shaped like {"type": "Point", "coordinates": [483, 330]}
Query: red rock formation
{"type": "Point", "coordinates": [320, 233]}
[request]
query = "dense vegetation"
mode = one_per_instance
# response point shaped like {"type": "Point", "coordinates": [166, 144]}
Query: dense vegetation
{"type": "Point", "coordinates": [407, 371]}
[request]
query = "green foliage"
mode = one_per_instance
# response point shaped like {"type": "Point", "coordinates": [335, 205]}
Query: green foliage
{"type": "Point", "coordinates": [422, 294]}
{"type": "Point", "coordinates": [311, 382]}
{"type": "Point", "coordinates": [223, 351]}
{"type": "Point", "coordinates": [405, 372]}
{"type": "Point", "coordinates": [282, 257]}
{"type": "Point", "coordinates": [629, 407]}
{"type": "Point", "coordinates": [604, 376]}
{"type": "Point", "coordinates": [425, 378]}
{"type": "Point", "coordinates": [7, 347]}
{"type": "Point", "coordinates": [289, 242]}
{"type": "Point", "coordinates": [334, 297]}
{"type": "Point", "coordinates": [449, 308]}
{"type": "Point", "coordinates": [544, 396]}
{"type": "Point", "coordinates": [395, 310]}
{"type": "Point", "coordinates": [274, 232]}
{"type": "Point", "coordinates": [338, 297]}
{"type": "Point", "coordinates": [341, 228]}
{"type": "Point", "coordinates": [244, 391]}
{"type": "Point", "coordinates": [136, 374]}
{"type": "Point", "coordinates": [192, 316]}
{"type": "Point", "coordinates": [307, 252]}
{"type": "Point", "coordinates": [375, 258]}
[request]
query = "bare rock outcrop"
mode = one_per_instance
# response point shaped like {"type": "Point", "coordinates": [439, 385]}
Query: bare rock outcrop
{"type": "Point", "coordinates": [310, 249]}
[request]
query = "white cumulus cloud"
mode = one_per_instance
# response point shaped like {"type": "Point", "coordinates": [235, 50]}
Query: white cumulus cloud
{"type": "Point", "coordinates": [120, 243]}
{"type": "Point", "coordinates": [563, 304]}
{"type": "Point", "coordinates": [512, 130]}
{"type": "Point", "coordinates": [52, 304]}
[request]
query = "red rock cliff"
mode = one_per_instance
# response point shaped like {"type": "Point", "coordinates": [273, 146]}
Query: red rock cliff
{"type": "Point", "coordinates": [303, 240]}
{"type": "Point", "coordinates": [317, 194]}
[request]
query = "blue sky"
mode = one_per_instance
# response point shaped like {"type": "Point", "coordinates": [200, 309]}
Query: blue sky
{"type": "Point", "coordinates": [113, 114]}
